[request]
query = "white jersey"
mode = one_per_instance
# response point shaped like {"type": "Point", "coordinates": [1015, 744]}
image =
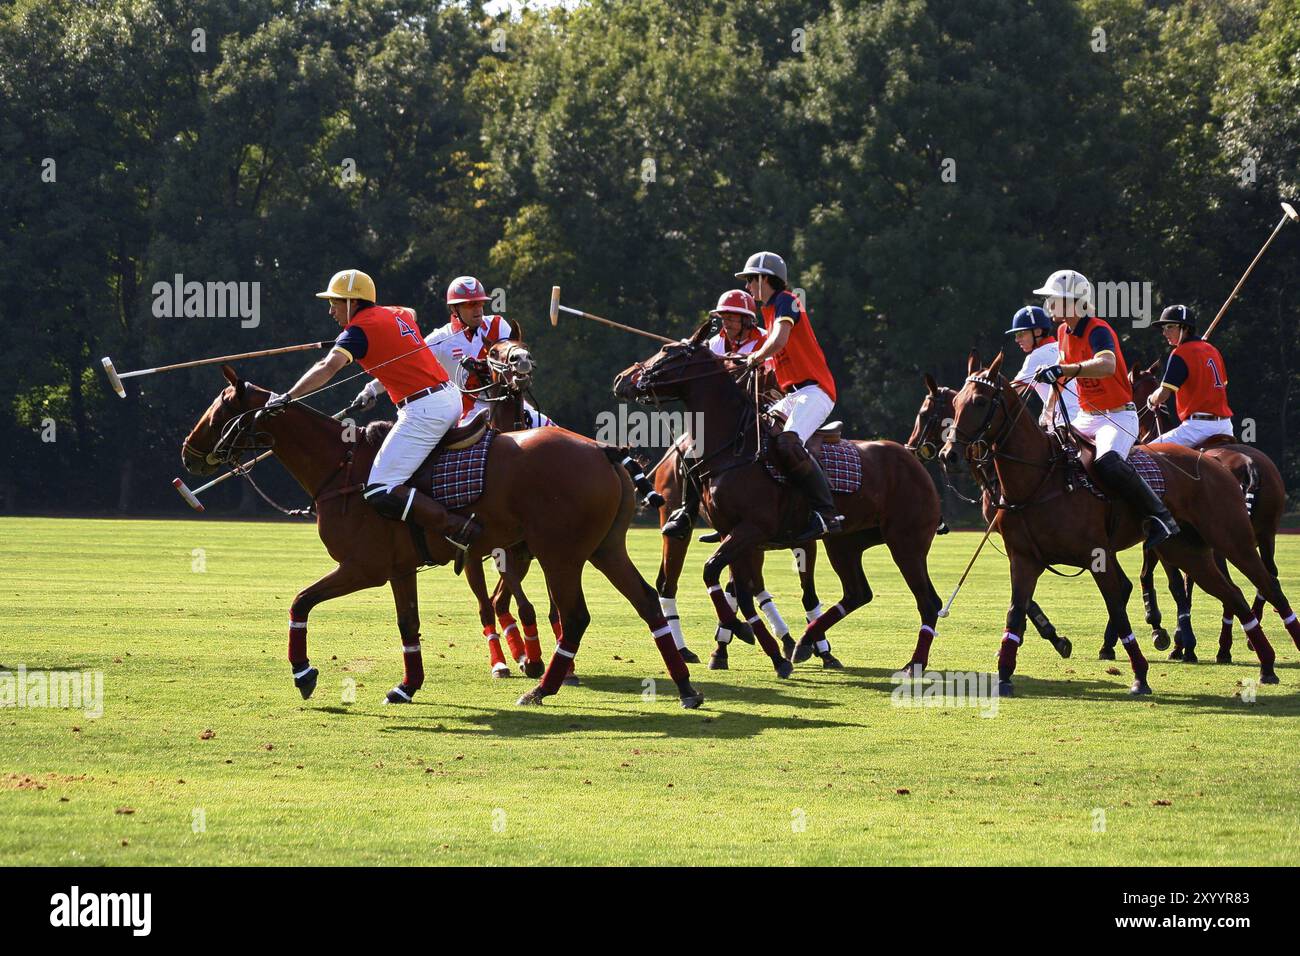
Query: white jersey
{"type": "Point", "coordinates": [450, 344]}
{"type": "Point", "coordinates": [1045, 356]}
{"type": "Point", "coordinates": [718, 344]}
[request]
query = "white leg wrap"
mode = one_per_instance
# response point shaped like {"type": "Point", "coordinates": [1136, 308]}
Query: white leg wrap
{"type": "Point", "coordinates": [669, 608]}
{"type": "Point", "coordinates": [815, 613]}
{"type": "Point", "coordinates": [724, 636]}
{"type": "Point", "coordinates": [768, 607]}
{"type": "Point", "coordinates": [1008, 636]}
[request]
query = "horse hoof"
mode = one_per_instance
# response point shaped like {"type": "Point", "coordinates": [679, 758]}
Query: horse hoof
{"type": "Point", "coordinates": [802, 651]}
{"type": "Point", "coordinates": [1063, 646]}
{"type": "Point", "coordinates": [533, 698]}
{"type": "Point", "coordinates": [831, 663]}
{"type": "Point", "coordinates": [1106, 654]}
{"type": "Point", "coordinates": [534, 669]}
{"type": "Point", "coordinates": [398, 695]}
{"type": "Point", "coordinates": [306, 684]}
{"type": "Point", "coordinates": [742, 630]}
{"type": "Point", "coordinates": [1268, 678]}
{"type": "Point", "coordinates": [1139, 688]}
{"type": "Point", "coordinates": [783, 667]}
{"type": "Point", "coordinates": [787, 646]}
{"type": "Point", "coordinates": [1189, 657]}
{"type": "Point", "coordinates": [717, 662]}
{"type": "Point", "coordinates": [1176, 654]}
{"type": "Point", "coordinates": [572, 681]}
{"type": "Point", "coordinates": [500, 670]}
{"type": "Point", "coordinates": [1005, 689]}
{"type": "Point", "coordinates": [1223, 657]}
{"type": "Point", "coordinates": [689, 656]}
{"type": "Point", "coordinates": [692, 700]}
{"type": "Point", "coordinates": [1159, 638]}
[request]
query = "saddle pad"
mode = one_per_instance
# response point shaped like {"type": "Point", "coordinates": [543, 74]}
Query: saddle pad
{"type": "Point", "coordinates": [1147, 467]}
{"type": "Point", "coordinates": [458, 475]}
{"type": "Point", "coordinates": [840, 461]}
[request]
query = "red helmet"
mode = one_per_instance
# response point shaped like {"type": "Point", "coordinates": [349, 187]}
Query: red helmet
{"type": "Point", "coordinates": [466, 289]}
{"type": "Point", "coordinates": [737, 301]}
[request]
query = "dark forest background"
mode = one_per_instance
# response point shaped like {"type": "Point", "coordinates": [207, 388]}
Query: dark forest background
{"type": "Point", "coordinates": [921, 165]}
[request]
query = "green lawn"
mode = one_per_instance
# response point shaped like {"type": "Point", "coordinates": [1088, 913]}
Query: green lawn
{"type": "Point", "coordinates": [821, 768]}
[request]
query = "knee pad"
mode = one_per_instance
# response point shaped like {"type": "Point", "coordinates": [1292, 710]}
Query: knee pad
{"type": "Point", "coordinates": [393, 503]}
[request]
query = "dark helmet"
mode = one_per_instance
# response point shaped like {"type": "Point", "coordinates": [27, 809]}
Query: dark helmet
{"type": "Point", "coordinates": [1178, 315]}
{"type": "Point", "coordinates": [1030, 317]}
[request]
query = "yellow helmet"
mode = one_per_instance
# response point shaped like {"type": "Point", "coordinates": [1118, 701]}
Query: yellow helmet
{"type": "Point", "coordinates": [350, 284]}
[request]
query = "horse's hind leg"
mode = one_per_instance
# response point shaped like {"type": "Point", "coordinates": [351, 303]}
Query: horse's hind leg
{"type": "Point", "coordinates": [1224, 656]}
{"type": "Point", "coordinates": [910, 556]}
{"type": "Point", "coordinates": [1198, 561]}
{"type": "Point", "coordinates": [845, 553]}
{"type": "Point", "coordinates": [1150, 604]}
{"type": "Point", "coordinates": [1180, 586]}
{"type": "Point", "coordinates": [612, 561]}
{"type": "Point", "coordinates": [526, 648]}
{"type": "Point", "coordinates": [406, 596]}
{"type": "Point", "coordinates": [671, 561]}
{"type": "Point", "coordinates": [344, 579]}
{"type": "Point", "coordinates": [565, 584]}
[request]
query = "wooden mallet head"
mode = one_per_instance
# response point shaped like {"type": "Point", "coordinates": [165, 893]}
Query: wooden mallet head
{"type": "Point", "coordinates": [555, 305]}
{"type": "Point", "coordinates": [113, 380]}
{"type": "Point", "coordinates": [1290, 211]}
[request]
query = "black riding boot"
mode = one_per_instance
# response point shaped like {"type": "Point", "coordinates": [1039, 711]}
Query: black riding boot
{"type": "Point", "coordinates": [679, 523]}
{"type": "Point", "coordinates": [1120, 476]}
{"type": "Point", "coordinates": [806, 474]}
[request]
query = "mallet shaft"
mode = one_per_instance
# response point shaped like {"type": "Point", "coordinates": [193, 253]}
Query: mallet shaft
{"type": "Point", "coordinates": [225, 358]}
{"type": "Point", "coordinates": [1287, 214]}
{"type": "Point", "coordinates": [943, 611]}
{"type": "Point", "coordinates": [619, 325]}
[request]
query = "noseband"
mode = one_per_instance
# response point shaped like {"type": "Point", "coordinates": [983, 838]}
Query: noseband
{"type": "Point", "coordinates": [238, 437]}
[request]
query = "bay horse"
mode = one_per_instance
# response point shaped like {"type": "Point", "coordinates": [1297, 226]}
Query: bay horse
{"type": "Point", "coordinates": [934, 417]}
{"type": "Point", "coordinates": [547, 487]}
{"type": "Point", "coordinates": [668, 482]}
{"type": "Point", "coordinates": [1265, 495]}
{"type": "Point", "coordinates": [896, 503]}
{"type": "Point", "coordinates": [1047, 519]}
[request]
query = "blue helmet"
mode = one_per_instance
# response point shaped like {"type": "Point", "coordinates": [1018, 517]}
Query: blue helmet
{"type": "Point", "coordinates": [1030, 317]}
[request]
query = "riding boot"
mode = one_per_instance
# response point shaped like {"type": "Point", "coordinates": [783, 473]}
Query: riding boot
{"type": "Point", "coordinates": [1119, 475]}
{"type": "Point", "coordinates": [430, 515]}
{"type": "Point", "coordinates": [679, 523]}
{"type": "Point", "coordinates": [806, 474]}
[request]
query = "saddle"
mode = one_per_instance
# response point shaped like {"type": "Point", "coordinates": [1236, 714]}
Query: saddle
{"type": "Point", "coordinates": [828, 434]}
{"type": "Point", "coordinates": [1081, 464]}
{"type": "Point", "coordinates": [1214, 441]}
{"type": "Point", "coordinates": [454, 471]}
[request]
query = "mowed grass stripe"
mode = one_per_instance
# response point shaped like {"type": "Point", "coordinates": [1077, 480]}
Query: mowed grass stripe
{"type": "Point", "coordinates": [801, 771]}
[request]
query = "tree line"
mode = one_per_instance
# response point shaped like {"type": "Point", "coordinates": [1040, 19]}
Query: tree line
{"type": "Point", "coordinates": [921, 164]}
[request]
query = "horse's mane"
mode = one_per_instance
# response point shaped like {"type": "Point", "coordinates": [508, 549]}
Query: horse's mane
{"type": "Point", "coordinates": [375, 433]}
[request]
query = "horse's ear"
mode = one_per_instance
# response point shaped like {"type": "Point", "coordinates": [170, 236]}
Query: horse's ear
{"type": "Point", "coordinates": [931, 385]}
{"type": "Point", "coordinates": [701, 334]}
{"type": "Point", "coordinates": [233, 378]}
{"type": "Point", "coordinates": [517, 332]}
{"type": "Point", "coordinates": [973, 362]}
{"type": "Point", "coordinates": [995, 366]}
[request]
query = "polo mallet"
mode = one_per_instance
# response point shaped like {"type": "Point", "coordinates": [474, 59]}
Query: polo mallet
{"type": "Point", "coordinates": [115, 377]}
{"type": "Point", "coordinates": [1288, 214]}
{"type": "Point", "coordinates": [943, 611]}
{"type": "Point", "coordinates": [192, 496]}
{"type": "Point", "coordinates": [556, 309]}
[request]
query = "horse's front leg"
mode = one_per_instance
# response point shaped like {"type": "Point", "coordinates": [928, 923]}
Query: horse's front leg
{"type": "Point", "coordinates": [1025, 573]}
{"type": "Point", "coordinates": [344, 579]}
{"type": "Point", "coordinates": [1159, 636]}
{"type": "Point", "coordinates": [739, 540]}
{"type": "Point", "coordinates": [406, 595]}
{"type": "Point", "coordinates": [749, 581]}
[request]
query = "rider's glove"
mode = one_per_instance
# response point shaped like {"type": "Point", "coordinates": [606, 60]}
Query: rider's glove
{"type": "Point", "coordinates": [277, 403]}
{"type": "Point", "coordinates": [1050, 375]}
{"type": "Point", "coordinates": [365, 399]}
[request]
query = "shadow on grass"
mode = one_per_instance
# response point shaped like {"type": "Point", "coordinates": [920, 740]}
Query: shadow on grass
{"type": "Point", "coordinates": [769, 694]}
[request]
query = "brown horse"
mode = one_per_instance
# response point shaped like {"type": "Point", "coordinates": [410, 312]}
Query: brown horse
{"type": "Point", "coordinates": [581, 514]}
{"type": "Point", "coordinates": [668, 482]}
{"type": "Point", "coordinates": [1265, 496]}
{"type": "Point", "coordinates": [1046, 519]}
{"type": "Point", "coordinates": [934, 417]}
{"type": "Point", "coordinates": [896, 503]}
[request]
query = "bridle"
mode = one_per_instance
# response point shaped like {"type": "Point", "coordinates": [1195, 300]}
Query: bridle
{"type": "Point", "coordinates": [238, 437]}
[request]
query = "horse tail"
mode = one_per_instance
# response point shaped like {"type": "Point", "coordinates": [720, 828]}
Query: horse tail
{"type": "Point", "coordinates": [1251, 487]}
{"type": "Point", "coordinates": [636, 471]}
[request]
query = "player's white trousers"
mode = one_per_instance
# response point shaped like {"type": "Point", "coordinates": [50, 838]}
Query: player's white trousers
{"type": "Point", "coordinates": [420, 426]}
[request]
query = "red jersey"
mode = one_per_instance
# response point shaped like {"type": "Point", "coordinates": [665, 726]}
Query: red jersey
{"type": "Point", "coordinates": [1199, 380]}
{"type": "Point", "coordinates": [385, 341]}
{"type": "Point", "coordinates": [802, 360]}
{"type": "Point", "coordinates": [1092, 337]}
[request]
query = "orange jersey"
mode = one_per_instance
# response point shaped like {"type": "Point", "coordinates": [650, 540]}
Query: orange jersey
{"type": "Point", "coordinates": [385, 341]}
{"type": "Point", "coordinates": [1093, 337]}
{"type": "Point", "coordinates": [802, 359]}
{"type": "Point", "coordinates": [1199, 380]}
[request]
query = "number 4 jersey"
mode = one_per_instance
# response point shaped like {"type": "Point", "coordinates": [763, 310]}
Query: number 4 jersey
{"type": "Point", "coordinates": [385, 341]}
{"type": "Point", "coordinates": [1200, 382]}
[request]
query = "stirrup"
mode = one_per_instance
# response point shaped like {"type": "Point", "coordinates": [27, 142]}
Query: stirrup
{"type": "Point", "coordinates": [467, 532]}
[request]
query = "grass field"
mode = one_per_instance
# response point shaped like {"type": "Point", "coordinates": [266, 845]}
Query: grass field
{"type": "Point", "coordinates": [822, 768]}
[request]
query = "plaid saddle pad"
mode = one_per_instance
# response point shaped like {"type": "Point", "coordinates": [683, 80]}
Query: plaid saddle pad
{"type": "Point", "coordinates": [840, 461]}
{"type": "Point", "coordinates": [1147, 467]}
{"type": "Point", "coordinates": [458, 475]}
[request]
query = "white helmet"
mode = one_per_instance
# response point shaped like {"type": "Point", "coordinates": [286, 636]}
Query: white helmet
{"type": "Point", "coordinates": [1067, 284]}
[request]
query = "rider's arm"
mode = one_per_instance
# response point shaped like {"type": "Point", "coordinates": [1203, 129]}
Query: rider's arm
{"type": "Point", "coordinates": [1175, 377]}
{"type": "Point", "coordinates": [774, 342]}
{"type": "Point", "coordinates": [320, 373]}
{"type": "Point", "coordinates": [1102, 363]}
